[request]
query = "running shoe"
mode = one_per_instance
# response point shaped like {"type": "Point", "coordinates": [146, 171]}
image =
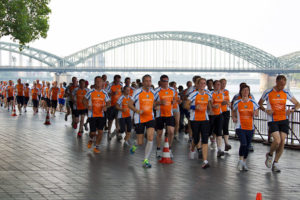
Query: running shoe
{"type": "Point", "coordinates": [90, 144]}
{"type": "Point", "coordinates": [192, 155]}
{"type": "Point", "coordinates": [205, 165]}
{"type": "Point", "coordinates": [227, 147]}
{"type": "Point", "coordinates": [245, 167]}
{"type": "Point", "coordinates": [269, 160]}
{"type": "Point", "coordinates": [171, 154]}
{"type": "Point", "coordinates": [132, 149]}
{"type": "Point", "coordinates": [146, 164]}
{"type": "Point", "coordinates": [220, 153]}
{"type": "Point", "coordinates": [158, 153]}
{"type": "Point", "coordinates": [79, 134]}
{"type": "Point", "coordinates": [96, 150]}
{"type": "Point", "coordinates": [275, 167]}
{"type": "Point", "coordinates": [240, 165]}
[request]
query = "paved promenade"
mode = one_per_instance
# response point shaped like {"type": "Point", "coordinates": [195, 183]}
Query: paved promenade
{"type": "Point", "coordinates": [50, 162]}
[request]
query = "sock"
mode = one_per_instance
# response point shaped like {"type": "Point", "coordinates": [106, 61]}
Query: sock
{"type": "Point", "coordinates": [148, 149]}
{"type": "Point", "coordinates": [199, 150]}
{"type": "Point", "coordinates": [219, 149]}
{"type": "Point", "coordinates": [205, 161]}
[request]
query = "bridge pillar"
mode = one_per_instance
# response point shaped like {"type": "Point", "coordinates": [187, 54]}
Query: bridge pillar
{"type": "Point", "coordinates": [62, 77]}
{"type": "Point", "coordinates": [266, 81]}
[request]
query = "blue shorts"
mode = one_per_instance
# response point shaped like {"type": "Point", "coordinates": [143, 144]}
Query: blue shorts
{"type": "Point", "coordinates": [61, 101]}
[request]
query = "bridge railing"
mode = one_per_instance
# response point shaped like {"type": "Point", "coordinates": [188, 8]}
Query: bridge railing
{"type": "Point", "coordinates": [262, 132]}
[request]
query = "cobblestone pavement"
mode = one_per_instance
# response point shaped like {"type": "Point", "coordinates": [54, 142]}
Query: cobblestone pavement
{"type": "Point", "coordinates": [50, 162]}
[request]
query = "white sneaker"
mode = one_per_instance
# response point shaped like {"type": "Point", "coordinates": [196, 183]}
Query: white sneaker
{"type": "Point", "coordinates": [171, 154]}
{"type": "Point", "coordinates": [275, 167]}
{"type": "Point", "coordinates": [269, 160]}
{"type": "Point", "coordinates": [245, 167]}
{"type": "Point", "coordinates": [213, 145]}
{"type": "Point", "coordinates": [240, 165]}
{"type": "Point", "coordinates": [192, 155]}
{"type": "Point", "coordinates": [158, 153]}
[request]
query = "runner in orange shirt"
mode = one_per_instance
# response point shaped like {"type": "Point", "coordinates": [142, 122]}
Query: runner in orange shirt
{"type": "Point", "coordinates": [114, 90]}
{"type": "Point", "coordinates": [142, 104]}
{"type": "Point", "coordinates": [225, 113]}
{"type": "Point", "coordinates": [47, 97]}
{"type": "Point", "coordinates": [278, 122]}
{"type": "Point", "coordinates": [124, 115]}
{"type": "Point", "coordinates": [54, 91]}
{"type": "Point", "coordinates": [35, 92]}
{"type": "Point", "coordinates": [39, 86]}
{"type": "Point", "coordinates": [10, 94]}
{"type": "Point", "coordinates": [26, 96]}
{"type": "Point", "coordinates": [176, 110]}
{"type": "Point", "coordinates": [243, 112]}
{"type": "Point", "coordinates": [97, 101]}
{"type": "Point", "coordinates": [199, 102]}
{"type": "Point", "coordinates": [127, 82]}
{"type": "Point", "coordinates": [216, 120]}
{"type": "Point", "coordinates": [164, 98]}
{"type": "Point", "coordinates": [20, 95]}
{"type": "Point", "coordinates": [80, 110]}
{"type": "Point", "coordinates": [68, 94]}
{"type": "Point", "coordinates": [61, 100]}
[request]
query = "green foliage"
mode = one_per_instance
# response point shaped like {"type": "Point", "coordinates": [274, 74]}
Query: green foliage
{"type": "Point", "coordinates": [24, 20]}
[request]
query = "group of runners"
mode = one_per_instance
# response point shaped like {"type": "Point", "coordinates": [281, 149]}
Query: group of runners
{"type": "Point", "coordinates": [139, 110]}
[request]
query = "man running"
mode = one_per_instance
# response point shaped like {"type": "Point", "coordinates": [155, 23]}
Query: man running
{"type": "Point", "coordinates": [278, 121]}
{"type": "Point", "coordinates": [124, 115]}
{"type": "Point", "coordinates": [35, 92]}
{"type": "Point", "coordinates": [68, 94]}
{"type": "Point", "coordinates": [97, 101]}
{"type": "Point", "coordinates": [114, 90]}
{"type": "Point", "coordinates": [61, 100]}
{"type": "Point", "coordinates": [225, 113]}
{"type": "Point", "coordinates": [20, 95]}
{"type": "Point", "coordinates": [142, 103]}
{"type": "Point", "coordinates": [26, 96]}
{"type": "Point", "coordinates": [164, 98]}
{"type": "Point", "coordinates": [54, 91]}
{"type": "Point", "coordinates": [79, 108]}
{"type": "Point", "coordinates": [10, 94]}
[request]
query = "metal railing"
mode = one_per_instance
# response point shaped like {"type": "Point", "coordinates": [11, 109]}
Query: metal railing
{"type": "Point", "coordinates": [262, 134]}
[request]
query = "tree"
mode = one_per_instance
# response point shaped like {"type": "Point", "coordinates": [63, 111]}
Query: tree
{"type": "Point", "coordinates": [24, 20]}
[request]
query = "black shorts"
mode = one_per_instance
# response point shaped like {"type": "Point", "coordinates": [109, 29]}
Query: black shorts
{"type": "Point", "coordinates": [35, 103]}
{"type": "Point", "coordinates": [160, 122]}
{"type": "Point", "coordinates": [39, 97]}
{"type": "Point", "coordinates": [216, 124]}
{"type": "Point", "coordinates": [97, 123]}
{"type": "Point", "coordinates": [48, 102]}
{"type": "Point", "coordinates": [112, 113]}
{"type": "Point", "coordinates": [125, 124]}
{"type": "Point", "coordinates": [281, 126]}
{"type": "Point", "coordinates": [20, 100]}
{"type": "Point", "coordinates": [80, 112]}
{"type": "Point", "coordinates": [200, 127]}
{"type": "Point", "coordinates": [26, 99]}
{"type": "Point", "coordinates": [43, 98]}
{"type": "Point", "coordinates": [140, 128]}
{"type": "Point", "coordinates": [10, 99]}
{"type": "Point", "coordinates": [226, 118]}
{"type": "Point", "coordinates": [54, 104]}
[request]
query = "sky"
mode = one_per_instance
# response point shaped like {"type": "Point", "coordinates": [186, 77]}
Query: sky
{"type": "Point", "coordinates": [271, 25]}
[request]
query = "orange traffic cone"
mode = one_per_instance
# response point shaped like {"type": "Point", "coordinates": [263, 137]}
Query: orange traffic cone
{"type": "Point", "coordinates": [47, 121]}
{"type": "Point", "coordinates": [14, 112]}
{"type": "Point", "coordinates": [258, 196]}
{"type": "Point", "coordinates": [166, 158]}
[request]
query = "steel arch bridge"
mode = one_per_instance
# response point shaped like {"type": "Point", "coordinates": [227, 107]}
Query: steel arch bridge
{"type": "Point", "coordinates": [263, 61]}
{"type": "Point", "coordinates": [249, 53]}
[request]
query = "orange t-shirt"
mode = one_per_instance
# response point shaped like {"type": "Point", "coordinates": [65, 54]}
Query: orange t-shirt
{"type": "Point", "coordinates": [20, 89]}
{"type": "Point", "coordinates": [144, 102]}
{"type": "Point", "coordinates": [10, 91]}
{"type": "Point", "coordinates": [167, 95]}
{"type": "Point", "coordinates": [54, 93]}
{"type": "Point", "coordinates": [226, 98]}
{"type": "Point", "coordinates": [245, 112]}
{"type": "Point", "coordinates": [123, 103]}
{"type": "Point", "coordinates": [79, 95]}
{"type": "Point", "coordinates": [97, 99]}
{"type": "Point", "coordinates": [26, 92]}
{"type": "Point", "coordinates": [116, 92]}
{"type": "Point", "coordinates": [217, 99]}
{"type": "Point", "coordinates": [61, 93]}
{"type": "Point", "coordinates": [34, 93]}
